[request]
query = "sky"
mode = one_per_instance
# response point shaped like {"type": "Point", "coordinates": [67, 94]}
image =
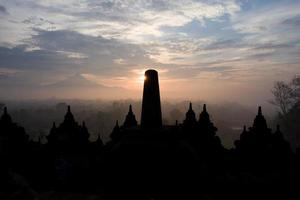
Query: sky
{"type": "Point", "coordinates": [214, 50]}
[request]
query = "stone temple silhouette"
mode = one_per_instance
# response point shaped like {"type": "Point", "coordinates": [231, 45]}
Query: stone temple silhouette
{"type": "Point", "coordinates": [151, 109]}
{"type": "Point", "coordinates": [152, 161]}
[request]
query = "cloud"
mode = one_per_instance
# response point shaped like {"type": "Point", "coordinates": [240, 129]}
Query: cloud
{"type": "Point", "coordinates": [223, 44]}
{"type": "Point", "coordinates": [213, 40]}
{"type": "Point", "coordinates": [193, 72]}
{"type": "Point", "coordinates": [134, 22]}
{"type": "Point", "coordinates": [3, 10]}
{"type": "Point", "coordinates": [63, 53]}
{"type": "Point", "coordinates": [126, 20]}
{"type": "Point", "coordinates": [269, 23]}
{"type": "Point", "coordinates": [100, 53]}
{"type": "Point", "coordinates": [6, 72]}
{"type": "Point", "coordinates": [293, 21]}
{"type": "Point", "coordinates": [19, 58]}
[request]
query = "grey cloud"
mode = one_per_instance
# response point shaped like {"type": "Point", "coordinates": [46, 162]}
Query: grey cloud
{"type": "Point", "coordinates": [19, 58]}
{"type": "Point", "coordinates": [101, 52]}
{"type": "Point", "coordinates": [271, 46]}
{"type": "Point", "coordinates": [260, 56]}
{"type": "Point", "coordinates": [15, 81]}
{"type": "Point", "coordinates": [271, 51]}
{"type": "Point", "coordinates": [3, 10]}
{"type": "Point", "coordinates": [73, 41]}
{"type": "Point", "coordinates": [294, 21]}
{"type": "Point", "coordinates": [220, 61]}
{"type": "Point", "coordinates": [125, 20]}
{"type": "Point", "coordinates": [60, 53]}
{"type": "Point", "coordinates": [37, 21]}
{"type": "Point", "coordinates": [191, 71]}
{"type": "Point", "coordinates": [125, 5]}
{"type": "Point", "coordinates": [223, 44]}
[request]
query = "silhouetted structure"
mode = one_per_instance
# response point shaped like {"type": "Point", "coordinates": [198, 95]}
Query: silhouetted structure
{"type": "Point", "coordinates": [201, 135]}
{"type": "Point", "coordinates": [259, 147]}
{"type": "Point", "coordinates": [68, 135]}
{"type": "Point", "coordinates": [152, 161]}
{"type": "Point", "coordinates": [190, 118]}
{"type": "Point", "coordinates": [130, 120]}
{"type": "Point", "coordinates": [116, 133]}
{"type": "Point", "coordinates": [151, 110]}
{"type": "Point", "coordinates": [10, 131]}
{"type": "Point", "coordinates": [13, 140]}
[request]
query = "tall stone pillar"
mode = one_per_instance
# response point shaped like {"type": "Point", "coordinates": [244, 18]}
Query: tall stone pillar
{"type": "Point", "coordinates": [151, 109]}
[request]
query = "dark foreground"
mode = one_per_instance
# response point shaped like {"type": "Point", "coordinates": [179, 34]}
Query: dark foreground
{"type": "Point", "coordinates": [184, 161]}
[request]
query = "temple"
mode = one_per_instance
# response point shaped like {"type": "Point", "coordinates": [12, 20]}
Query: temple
{"type": "Point", "coordinates": [259, 143]}
{"type": "Point", "coordinates": [130, 120]}
{"type": "Point", "coordinates": [151, 160]}
{"type": "Point", "coordinates": [190, 118]}
{"type": "Point", "coordinates": [69, 135]}
{"type": "Point", "coordinates": [10, 132]}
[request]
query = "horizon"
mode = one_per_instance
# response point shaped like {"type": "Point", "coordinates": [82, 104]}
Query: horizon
{"type": "Point", "coordinates": [25, 113]}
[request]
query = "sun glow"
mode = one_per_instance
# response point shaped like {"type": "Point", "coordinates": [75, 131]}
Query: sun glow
{"type": "Point", "coordinates": [141, 79]}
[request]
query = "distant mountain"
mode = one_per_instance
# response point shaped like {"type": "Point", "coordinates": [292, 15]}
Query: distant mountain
{"type": "Point", "coordinates": [75, 81]}
{"type": "Point", "coordinates": [72, 87]}
{"type": "Point", "coordinates": [79, 87]}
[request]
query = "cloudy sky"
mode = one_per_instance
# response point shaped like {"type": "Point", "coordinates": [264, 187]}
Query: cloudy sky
{"type": "Point", "coordinates": [212, 49]}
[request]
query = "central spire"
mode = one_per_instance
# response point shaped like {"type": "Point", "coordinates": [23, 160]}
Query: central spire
{"type": "Point", "coordinates": [151, 109]}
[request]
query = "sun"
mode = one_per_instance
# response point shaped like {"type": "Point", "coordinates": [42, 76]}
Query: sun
{"type": "Point", "coordinates": [142, 78]}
